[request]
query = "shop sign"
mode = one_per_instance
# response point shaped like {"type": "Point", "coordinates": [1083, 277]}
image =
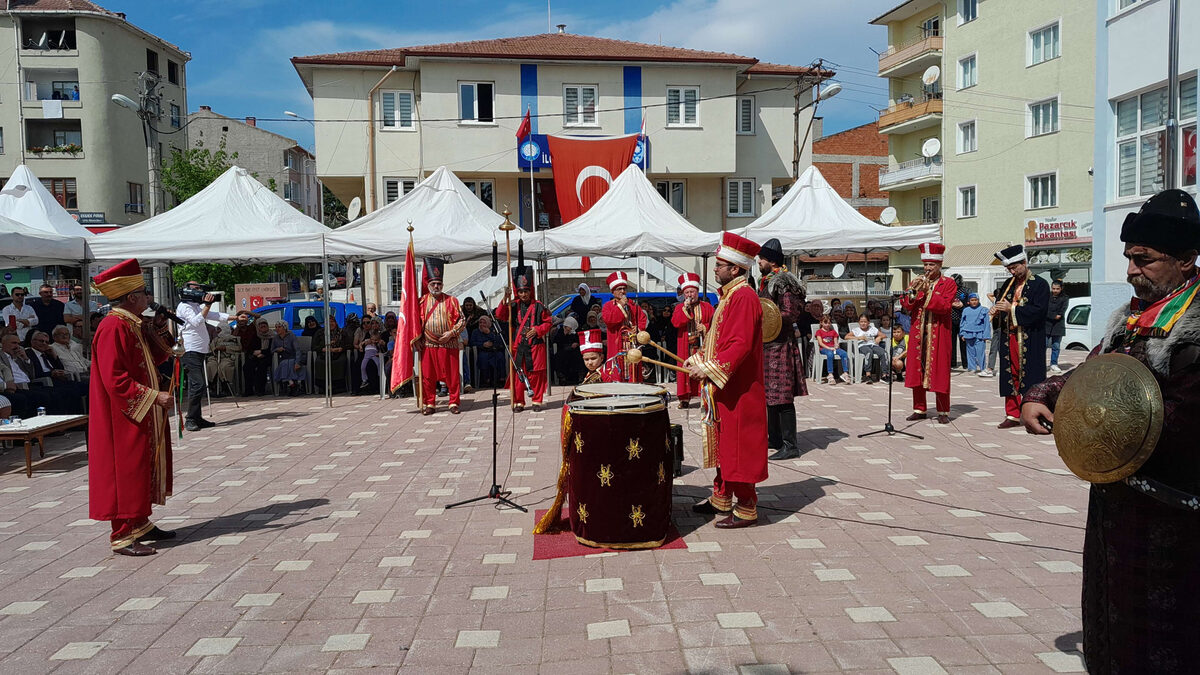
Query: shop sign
{"type": "Point", "coordinates": [1069, 228]}
{"type": "Point", "coordinates": [89, 217]}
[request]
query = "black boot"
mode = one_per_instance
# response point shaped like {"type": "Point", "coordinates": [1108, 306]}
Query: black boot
{"type": "Point", "coordinates": [787, 431]}
{"type": "Point", "coordinates": [773, 438]}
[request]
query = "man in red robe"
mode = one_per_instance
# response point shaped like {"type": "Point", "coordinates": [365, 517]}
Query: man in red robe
{"type": "Point", "coordinates": [692, 318]}
{"type": "Point", "coordinates": [930, 342]}
{"type": "Point", "coordinates": [624, 319]}
{"type": "Point", "coordinates": [532, 323]}
{"type": "Point", "coordinates": [442, 321]}
{"type": "Point", "coordinates": [733, 399]}
{"type": "Point", "coordinates": [129, 436]}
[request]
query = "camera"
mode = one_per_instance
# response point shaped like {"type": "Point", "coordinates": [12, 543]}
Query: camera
{"type": "Point", "coordinates": [194, 294]}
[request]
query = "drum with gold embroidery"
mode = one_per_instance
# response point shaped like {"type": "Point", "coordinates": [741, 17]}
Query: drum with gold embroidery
{"type": "Point", "coordinates": [620, 459]}
{"type": "Point", "coordinates": [598, 389]}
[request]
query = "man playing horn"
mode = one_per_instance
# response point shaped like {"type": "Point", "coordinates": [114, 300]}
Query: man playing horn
{"type": "Point", "coordinates": [1141, 551]}
{"type": "Point", "coordinates": [928, 301]}
{"type": "Point", "coordinates": [624, 320]}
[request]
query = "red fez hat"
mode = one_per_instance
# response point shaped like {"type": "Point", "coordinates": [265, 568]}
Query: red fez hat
{"type": "Point", "coordinates": [689, 280]}
{"type": "Point", "coordinates": [617, 279]}
{"type": "Point", "coordinates": [590, 341]}
{"type": "Point", "coordinates": [120, 279]}
{"type": "Point", "coordinates": [932, 252]}
{"type": "Point", "coordinates": [737, 250]}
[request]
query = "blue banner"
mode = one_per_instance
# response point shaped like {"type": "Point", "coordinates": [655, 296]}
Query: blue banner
{"type": "Point", "coordinates": [534, 152]}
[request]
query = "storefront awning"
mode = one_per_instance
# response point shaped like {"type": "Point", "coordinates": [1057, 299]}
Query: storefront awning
{"type": "Point", "coordinates": [973, 255]}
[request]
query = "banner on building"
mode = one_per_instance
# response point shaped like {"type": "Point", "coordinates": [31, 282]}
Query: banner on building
{"type": "Point", "coordinates": [585, 167]}
{"type": "Point", "coordinates": [1068, 228]}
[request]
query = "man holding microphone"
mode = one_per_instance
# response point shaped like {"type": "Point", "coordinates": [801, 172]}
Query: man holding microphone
{"type": "Point", "coordinates": [195, 308]}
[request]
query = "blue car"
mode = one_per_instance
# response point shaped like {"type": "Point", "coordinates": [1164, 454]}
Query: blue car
{"type": "Point", "coordinates": [294, 313]}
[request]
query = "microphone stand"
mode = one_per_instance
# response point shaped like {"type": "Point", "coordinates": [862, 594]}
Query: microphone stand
{"type": "Point", "coordinates": [888, 428]}
{"type": "Point", "coordinates": [497, 491]}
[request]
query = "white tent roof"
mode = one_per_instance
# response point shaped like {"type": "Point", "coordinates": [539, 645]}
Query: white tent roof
{"type": "Point", "coordinates": [25, 200]}
{"type": "Point", "coordinates": [448, 222]}
{"type": "Point", "coordinates": [630, 219]}
{"type": "Point", "coordinates": [812, 217]}
{"type": "Point", "coordinates": [22, 246]}
{"type": "Point", "coordinates": [235, 220]}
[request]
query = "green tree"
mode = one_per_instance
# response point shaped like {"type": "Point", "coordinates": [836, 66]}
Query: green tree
{"type": "Point", "coordinates": [335, 210]}
{"type": "Point", "coordinates": [187, 173]}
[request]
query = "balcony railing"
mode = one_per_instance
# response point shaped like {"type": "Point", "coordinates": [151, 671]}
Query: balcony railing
{"type": "Point", "coordinates": [895, 56]}
{"type": "Point", "coordinates": [911, 171]}
{"type": "Point", "coordinates": [135, 208]}
{"type": "Point", "coordinates": [909, 110]}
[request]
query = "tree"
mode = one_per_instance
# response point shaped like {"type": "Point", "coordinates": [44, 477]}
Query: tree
{"type": "Point", "coordinates": [335, 210]}
{"type": "Point", "coordinates": [189, 172]}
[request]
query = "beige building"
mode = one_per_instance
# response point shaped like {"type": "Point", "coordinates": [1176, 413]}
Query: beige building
{"type": "Point", "coordinates": [273, 159]}
{"type": "Point", "coordinates": [720, 126]}
{"type": "Point", "coordinates": [993, 144]}
{"type": "Point", "coordinates": [60, 63]}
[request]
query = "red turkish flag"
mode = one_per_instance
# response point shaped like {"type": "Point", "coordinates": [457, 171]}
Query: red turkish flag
{"type": "Point", "coordinates": [585, 167]}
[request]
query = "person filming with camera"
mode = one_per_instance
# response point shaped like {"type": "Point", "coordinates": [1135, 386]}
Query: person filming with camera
{"type": "Point", "coordinates": [195, 308]}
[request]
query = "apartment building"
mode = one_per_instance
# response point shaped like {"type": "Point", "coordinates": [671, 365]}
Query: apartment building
{"type": "Point", "coordinates": [60, 64]}
{"type": "Point", "coordinates": [720, 126]}
{"type": "Point", "coordinates": [1145, 137]}
{"type": "Point", "coordinates": [988, 123]}
{"type": "Point", "coordinates": [277, 161]}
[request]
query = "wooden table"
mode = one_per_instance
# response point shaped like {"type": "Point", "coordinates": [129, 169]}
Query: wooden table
{"type": "Point", "coordinates": [28, 430]}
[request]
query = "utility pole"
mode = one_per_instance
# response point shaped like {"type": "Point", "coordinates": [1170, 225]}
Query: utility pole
{"type": "Point", "coordinates": [151, 111]}
{"type": "Point", "coordinates": [1170, 153]}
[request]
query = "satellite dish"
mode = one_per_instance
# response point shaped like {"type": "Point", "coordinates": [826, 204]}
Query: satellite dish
{"type": "Point", "coordinates": [838, 270]}
{"type": "Point", "coordinates": [354, 209]}
{"type": "Point", "coordinates": [931, 148]}
{"type": "Point", "coordinates": [931, 76]}
{"type": "Point", "coordinates": [888, 215]}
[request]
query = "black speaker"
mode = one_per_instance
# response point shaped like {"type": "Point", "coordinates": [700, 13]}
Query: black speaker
{"type": "Point", "coordinates": [677, 448]}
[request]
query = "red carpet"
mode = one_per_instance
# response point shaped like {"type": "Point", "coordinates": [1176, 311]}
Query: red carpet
{"type": "Point", "coordinates": [564, 544]}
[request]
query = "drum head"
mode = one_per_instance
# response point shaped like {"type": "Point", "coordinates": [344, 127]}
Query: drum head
{"type": "Point", "coordinates": [616, 404]}
{"type": "Point", "coordinates": [618, 389]}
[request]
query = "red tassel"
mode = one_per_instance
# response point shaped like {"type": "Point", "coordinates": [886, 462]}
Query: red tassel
{"type": "Point", "coordinates": [585, 264]}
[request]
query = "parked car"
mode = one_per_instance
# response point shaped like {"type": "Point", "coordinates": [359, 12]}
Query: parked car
{"type": "Point", "coordinates": [559, 306]}
{"type": "Point", "coordinates": [1079, 328]}
{"type": "Point", "coordinates": [294, 313]}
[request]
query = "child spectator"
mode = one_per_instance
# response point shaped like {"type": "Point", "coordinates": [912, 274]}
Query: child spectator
{"type": "Point", "coordinates": [870, 345]}
{"type": "Point", "coordinates": [975, 330]}
{"type": "Point", "coordinates": [899, 351]}
{"type": "Point", "coordinates": [827, 342]}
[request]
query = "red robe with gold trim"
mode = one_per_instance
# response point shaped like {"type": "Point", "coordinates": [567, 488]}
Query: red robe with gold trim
{"type": "Point", "coordinates": [686, 387]}
{"type": "Point", "coordinates": [733, 364]}
{"type": "Point", "coordinates": [129, 438]}
{"type": "Point", "coordinates": [930, 341]}
{"type": "Point", "coordinates": [618, 322]}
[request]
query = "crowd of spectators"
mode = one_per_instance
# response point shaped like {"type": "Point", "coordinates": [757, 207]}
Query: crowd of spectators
{"type": "Point", "coordinates": [42, 362]}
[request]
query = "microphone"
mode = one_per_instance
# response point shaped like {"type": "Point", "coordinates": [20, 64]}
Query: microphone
{"type": "Point", "coordinates": [159, 309]}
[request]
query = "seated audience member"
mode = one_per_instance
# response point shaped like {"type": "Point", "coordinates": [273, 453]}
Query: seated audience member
{"type": "Point", "coordinates": [69, 352]}
{"type": "Point", "coordinates": [311, 327]}
{"type": "Point", "coordinates": [256, 349]}
{"type": "Point", "coordinates": [222, 360]}
{"type": "Point", "coordinates": [335, 351]}
{"type": "Point", "coordinates": [567, 361]}
{"type": "Point", "coordinates": [870, 342]}
{"type": "Point", "coordinates": [290, 372]}
{"type": "Point", "coordinates": [490, 359]}
{"type": "Point", "coordinates": [26, 388]}
{"type": "Point", "coordinates": [899, 348]}
{"type": "Point", "coordinates": [49, 310]}
{"type": "Point", "coordinates": [827, 342]}
{"type": "Point", "coordinates": [5, 405]}
{"type": "Point", "coordinates": [372, 346]}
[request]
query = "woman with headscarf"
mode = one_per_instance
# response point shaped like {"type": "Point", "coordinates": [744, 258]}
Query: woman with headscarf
{"type": "Point", "coordinates": [257, 351]}
{"type": "Point", "coordinates": [581, 303]}
{"type": "Point", "coordinates": [470, 311]}
{"type": "Point", "coordinates": [311, 327]}
{"type": "Point", "coordinates": [568, 362]}
{"type": "Point", "coordinates": [290, 371]}
{"type": "Point", "coordinates": [334, 350]}
{"type": "Point", "coordinates": [222, 359]}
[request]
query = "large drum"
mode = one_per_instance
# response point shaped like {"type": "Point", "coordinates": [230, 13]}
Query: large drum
{"type": "Point", "coordinates": [620, 460]}
{"type": "Point", "coordinates": [598, 389]}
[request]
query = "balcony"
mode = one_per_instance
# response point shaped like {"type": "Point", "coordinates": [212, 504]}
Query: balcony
{"type": "Point", "coordinates": [911, 175]}
{"type": "Point", "coordinates": [910, 58]}
{"type": "Point", "coordinates": [54, 139]}
{"type": "Point", "coordinates": [911, 115]}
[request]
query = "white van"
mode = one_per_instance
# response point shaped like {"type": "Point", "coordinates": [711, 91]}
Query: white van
{"type": "Point", "coordinates": [1078, 331]}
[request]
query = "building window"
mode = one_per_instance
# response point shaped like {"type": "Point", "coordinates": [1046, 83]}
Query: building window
{"type": "Point", "coordinates": [68, 137]}
{"type": "Point", "coordinates": [1187, 111]}
{"type": "Point", "coordinates": [63, 190]}
{"type": "Point", "coordinates": [1122, 4]}
{"type": "Point", "coordinates": [1043, 44]}
{"type": "Point", "coordinates": [172, 72]}
{"type": "Point", "coordinates": [968, 10]}
{"type": "Point", "coordinates": [745, 115]}
{"type": "Point", "coordinates": [740, 197]}
{"type": "Point", "coordinates": [291, 191]}
{"type": "Point", "coordinates": [396, 283]}
{"type": "Point", "coordinates": [289, 160]}
{"type": "Point", "coordinates": [683, 106]}
{"type": "Point", "coordinates": [395, 188]}
{"type": "Point", "coordinates": [579, 105]}
{"type": "Point", "coordinates": [175, 121]}
{"type": "Point", "coordinates": [484, 189]}
{"type": "Point", "coordinates": [931, 27]}
{"type": "Point", "coordinates": [966, 202]}
{"type": "Point", "coordinates": [152, 61]}
{"type": "Point", "coordinates": [66, 90]}
{"type": "Point", "coordinates": [674, 191]}
{"type": "Point", "coordinates": [397, 109]}
{"type": "Point", "coordinates": [475, 102]}
{"type": "Point", "coordinates": [968, 75]}
{"type": "Point", "coordinates": [1043, 191]}
{"type": "Point", "coordinates": [1043, 117]}
{"type": "Point", "coordinates": [137, 199]}
{"type": "Point", "coordinates": [966, 137]}
{"type": "Point", "coordinates": [931, 209]}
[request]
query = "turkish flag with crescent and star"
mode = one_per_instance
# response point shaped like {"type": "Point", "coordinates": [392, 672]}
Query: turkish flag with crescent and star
{"type": "Point", "coordinates": [585, 167]}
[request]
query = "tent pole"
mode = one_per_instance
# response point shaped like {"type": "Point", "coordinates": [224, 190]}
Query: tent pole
{"type": "Point", "coordinates": [704, 271]}
{"type": "Point", "coordinates": [866, 282]}
{"type": "Point", "coordinates": [86, 308]}
{"type": "Point", "coordinates": [325, 303]}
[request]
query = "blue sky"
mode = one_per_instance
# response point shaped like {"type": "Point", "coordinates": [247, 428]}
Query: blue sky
{"type": "Point", "coordinates": [241, 48]}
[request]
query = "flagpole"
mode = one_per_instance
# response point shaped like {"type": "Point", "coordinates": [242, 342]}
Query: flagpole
{"type": "Point", "coordinates": [418, 392]}
{"type": "Point", "coordinates": [532, 195]}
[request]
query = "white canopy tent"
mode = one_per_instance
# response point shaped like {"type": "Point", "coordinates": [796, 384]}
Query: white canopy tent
{"type": "Point", "coordinates": [23, 246]}
{"type": "Point", "coordinates": [25, 200]}
{"type": "Point", "coordinates": [631, 219]}
{"type": "Point", "coordinates": [235, 220]}
{"type": "Point", "coordinates": [448, 222]}
{"type": "Point", "coordinates": [812, 218]}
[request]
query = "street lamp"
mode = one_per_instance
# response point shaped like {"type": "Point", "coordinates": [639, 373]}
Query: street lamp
{"type": "Point", "coordinates": [150, 135]}
{"type": "Point", "coordinates": [828, 92]}
{"type": "Point", "coordinates": [320, 183]}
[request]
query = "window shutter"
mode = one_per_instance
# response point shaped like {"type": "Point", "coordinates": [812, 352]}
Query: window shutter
{"type": "Point", "coordinates": [571, 106]}
{"type": "Point", "coordinates": [690, 102]}
{"type": "Point", "coordinates": [672, 106]}
{"type": "Point", "coordinates": [734, 202]}
{"type": "Point", "coordinates": [746, 116]}
{"type": "Point", "coordinates": [1154, 108]}
{"type": "Point", "coordinates": [405, 110]}
{"type": "Point", "coordinates": [588, 114]}
{"type": "Point", "coordinates": [389, 109]}
{"type": "Point", "coordinates": [1127, 169]}
{"type": "Point", "coordinates": [1187, 98]}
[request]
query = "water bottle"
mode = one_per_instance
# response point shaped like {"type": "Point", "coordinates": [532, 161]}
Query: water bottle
{"type": "Point", "coordinates": [41, 411]}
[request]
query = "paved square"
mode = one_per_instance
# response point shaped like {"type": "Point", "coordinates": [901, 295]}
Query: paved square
{"type": "Point", "coordinates": [311, 546]}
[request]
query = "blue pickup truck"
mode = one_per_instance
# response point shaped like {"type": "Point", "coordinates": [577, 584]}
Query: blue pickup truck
{"type": "Point", "coordinates": [294, 313]}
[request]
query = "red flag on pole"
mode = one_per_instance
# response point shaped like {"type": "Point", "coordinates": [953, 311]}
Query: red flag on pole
{"type": "Point", "coordinates": [408, 326]}
{"type": "Point", "coordinates": [526, 126]}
